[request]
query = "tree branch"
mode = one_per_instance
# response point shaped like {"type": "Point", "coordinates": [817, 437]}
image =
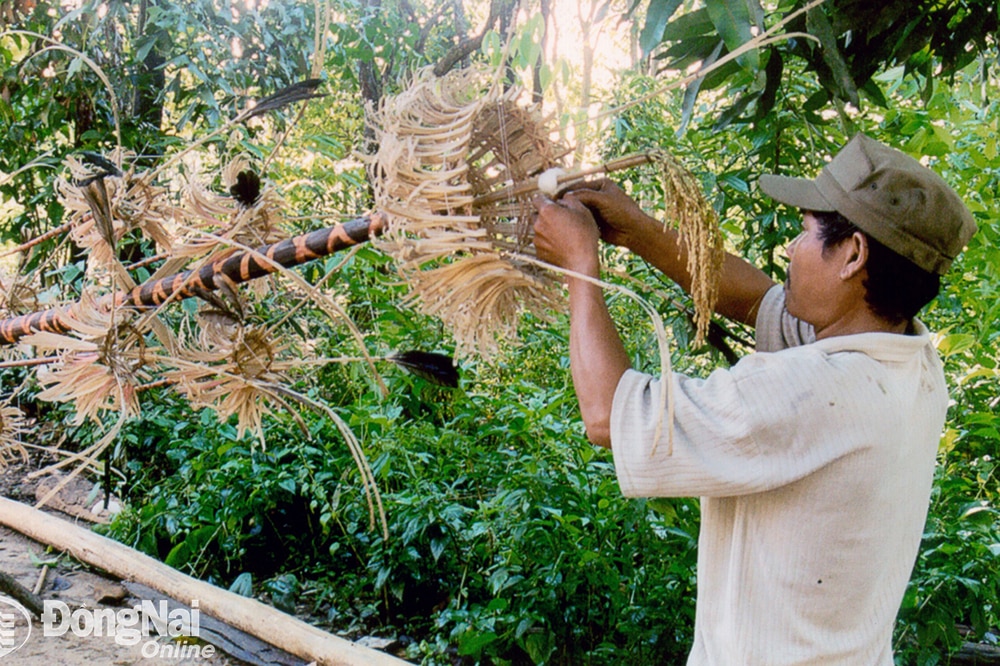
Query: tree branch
{"type": "Point", "coordinates": [468, 46]}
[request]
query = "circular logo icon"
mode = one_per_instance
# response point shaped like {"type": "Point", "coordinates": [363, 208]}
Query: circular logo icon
{"type": "Point", "coordinates": [15, 626]}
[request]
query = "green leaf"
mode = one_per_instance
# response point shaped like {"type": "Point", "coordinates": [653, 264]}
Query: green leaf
{"type": "Point", "coordinates": [956, 343]}
{"type": "Point", "coordinates": [872, 90]}
{"type": "Point", "coordinates": [472, 642]}
{"type": "Point", "coordinates": [665, 507]}
{"type": "Point", "coordinates": [735, 25]}
{"type": "Point", "coordinates": [144, 45]}
{"type": "Point", "coordinates": [243, 585]}
{"type": "Point", "coordinates": [657, 16]}
{"type": "Point", "coordinates": [75, 65]}
{"type": "Point", "coordinates": [539, 647]}
{"type": "Point", "coordinates": [692, 24]}
{"type": "Point", "coordinates": [39, 562]}
{"type": "Point", "coordinates": [284, 591]}
{"type": "Point", "coordinates": [498, 605]}
{"type": "Point", "coordinates": [179, 555]}
{"type": "Point", "coordinates": [691, 92]}
{"type": "Point", "coordinates": [437, 548]}
{"type": "Point", "coordinates": [817, 100]}
{"type": "Point", "coordinates": [979, 513]}
{"type": "Point", "coordinates": [843, 83]}
{"type": "Point", "coordinates": [734, 181]}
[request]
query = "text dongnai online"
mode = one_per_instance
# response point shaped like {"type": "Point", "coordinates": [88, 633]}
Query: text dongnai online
{"type": "Point", "coordinates": [130, 626]}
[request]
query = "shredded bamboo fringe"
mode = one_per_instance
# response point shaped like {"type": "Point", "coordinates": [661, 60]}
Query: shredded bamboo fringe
{"type": "Point", "coordinates": [458, 163]}
{"type": "Point", "coordinates": [13, 426]}
{"type": "Point", "coordinates": [452, 152]}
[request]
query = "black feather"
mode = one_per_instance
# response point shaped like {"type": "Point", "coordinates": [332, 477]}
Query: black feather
{"type": "Point", "coordinates": [288, 95]}
{"type": "Point", "coordinates": [106, 166]}
{"type": "Point", "coordinates": [717, 338]}
{"type": "Point", "coordinates": [437, 368]}
{"type": "Point", "coordinates": [246, 189]}
{"type": "Point", "coordinates": [96, 195]}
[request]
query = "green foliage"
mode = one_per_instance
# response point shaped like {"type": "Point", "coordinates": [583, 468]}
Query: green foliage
{"type": "Point", "coordinates": [956, 583]}
{"type": "Point", "coordinates": [848, 44]}
{"type": "Point", "coordinates": [508, 537]}
{"type": "Point", "coordinates": [508, 541]}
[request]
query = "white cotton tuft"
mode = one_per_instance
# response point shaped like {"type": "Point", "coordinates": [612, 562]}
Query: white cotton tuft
{"type": "Point", "coordinates": [548, 181]}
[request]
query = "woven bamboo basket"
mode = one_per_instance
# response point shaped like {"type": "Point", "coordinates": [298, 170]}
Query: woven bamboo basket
{"type": "Point", "coordinates": [452, 152]}
{"type": "Point", "coordinates": [460, 159]}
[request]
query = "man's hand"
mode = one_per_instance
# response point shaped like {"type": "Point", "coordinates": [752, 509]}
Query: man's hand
{"type": "Point", "coordinates": [619, 217]}
{"type": "Point", "coordinates": [566, 235]}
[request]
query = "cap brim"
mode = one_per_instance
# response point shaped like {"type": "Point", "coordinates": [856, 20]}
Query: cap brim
{"type": "Point", "coordinates": [798, 192]}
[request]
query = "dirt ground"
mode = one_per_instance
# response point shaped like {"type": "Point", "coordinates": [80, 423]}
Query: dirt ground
{"type": "Point", "coordinates": [78, 587]}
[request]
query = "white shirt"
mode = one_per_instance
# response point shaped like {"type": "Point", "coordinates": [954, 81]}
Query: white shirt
{"type": "Point", "coordinates": [814, 461]}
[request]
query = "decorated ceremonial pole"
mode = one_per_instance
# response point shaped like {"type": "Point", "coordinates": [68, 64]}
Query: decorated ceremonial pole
{"type": "Point", "coordinates": [238, 267]}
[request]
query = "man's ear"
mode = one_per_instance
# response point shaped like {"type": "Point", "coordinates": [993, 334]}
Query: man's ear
{"type": "Point", "coordinates": [855, 255]}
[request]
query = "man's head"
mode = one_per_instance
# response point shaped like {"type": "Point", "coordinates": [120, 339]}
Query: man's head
{"type": "Point", "coordinates": [906, 220]}
{"type": "Point", "coordinates": [890, 196]}
{"type": "Point", "coordinates": [895, 287]}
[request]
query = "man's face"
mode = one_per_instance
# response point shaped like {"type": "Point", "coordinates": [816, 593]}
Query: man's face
{"type": "Point", "coordinates": [814, 288]}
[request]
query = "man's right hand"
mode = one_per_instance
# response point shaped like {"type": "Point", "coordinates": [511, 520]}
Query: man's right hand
{"type": "Point", "coordinates": [622, 222]}
{"type": "Point", "coordinates": [619, 217]}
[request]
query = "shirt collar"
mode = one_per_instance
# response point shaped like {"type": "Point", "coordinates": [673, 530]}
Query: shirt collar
{"type": "Point", "coordinates": [880, 346]}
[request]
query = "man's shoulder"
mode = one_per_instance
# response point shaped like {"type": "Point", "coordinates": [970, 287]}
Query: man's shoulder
{"type": "Point", "coordinates": [776, 328]}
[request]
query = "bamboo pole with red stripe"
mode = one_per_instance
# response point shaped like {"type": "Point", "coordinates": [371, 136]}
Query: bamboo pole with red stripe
{"type": "Point", "coordinates": [239, 267]}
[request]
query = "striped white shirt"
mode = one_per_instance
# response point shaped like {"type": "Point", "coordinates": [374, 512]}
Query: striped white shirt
{"type": "Point", "coordinates": [814, 462]}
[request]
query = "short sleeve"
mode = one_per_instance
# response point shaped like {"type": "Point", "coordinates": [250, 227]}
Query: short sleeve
{"type": "Point", "coordinates": [712, 451]}
{"type": "Point", "coordinates": [776, 328]}
{"type": "Point", "coordinates": [748, 429]}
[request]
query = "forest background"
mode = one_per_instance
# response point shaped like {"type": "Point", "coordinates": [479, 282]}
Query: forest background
{"type": "Point", "coordinates": [506, 540]}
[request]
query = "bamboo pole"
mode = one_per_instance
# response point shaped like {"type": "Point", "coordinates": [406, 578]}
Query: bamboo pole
{"type": "Point", "coordinates": [530, 185]}
{"type": "Point", "coordinates": [238, 267]}
{"type": "Point", "coordinates": [243, 266]}
{"type": "Point", "coordinates": [249, 615]}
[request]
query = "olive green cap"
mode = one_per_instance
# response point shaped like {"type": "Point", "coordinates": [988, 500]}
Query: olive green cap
{"type": "Point", "coordinates": [889, 195]}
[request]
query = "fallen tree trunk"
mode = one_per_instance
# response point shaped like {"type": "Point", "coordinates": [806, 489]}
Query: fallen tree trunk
{"type": "Point", "coordinates": [249, 615]}
{"type": "Point", "coordinates": [975, 654]}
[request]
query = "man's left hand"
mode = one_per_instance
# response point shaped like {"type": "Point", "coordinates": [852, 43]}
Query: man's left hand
{"type": "Point", "coordinates": [566, 235]}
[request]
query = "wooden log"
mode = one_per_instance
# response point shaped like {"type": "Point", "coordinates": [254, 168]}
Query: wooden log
{"type": "Point", "coordinates": [248, 649]}
{"type": "Point", "coordinates": [249, 615]}
{"type": "Point", "coordinates": [20, 594]}
{"type": "Point", "coordinates": [976, 654]}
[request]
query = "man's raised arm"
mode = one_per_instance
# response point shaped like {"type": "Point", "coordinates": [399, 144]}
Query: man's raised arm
{"type": "Point", "coordinates": [741, 285]}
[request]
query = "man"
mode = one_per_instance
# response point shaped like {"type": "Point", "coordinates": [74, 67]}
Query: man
{"type": "Point", "coordinates": [814, 457]}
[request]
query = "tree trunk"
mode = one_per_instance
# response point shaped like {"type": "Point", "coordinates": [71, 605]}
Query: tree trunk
{"type": "Point", "coordinates": [147, 98]}
{"type": "Point", "coordinates": [537, 95]}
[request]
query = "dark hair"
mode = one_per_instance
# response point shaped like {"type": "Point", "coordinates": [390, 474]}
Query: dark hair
{"type": "Point", "coordinates": [895, 288]}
